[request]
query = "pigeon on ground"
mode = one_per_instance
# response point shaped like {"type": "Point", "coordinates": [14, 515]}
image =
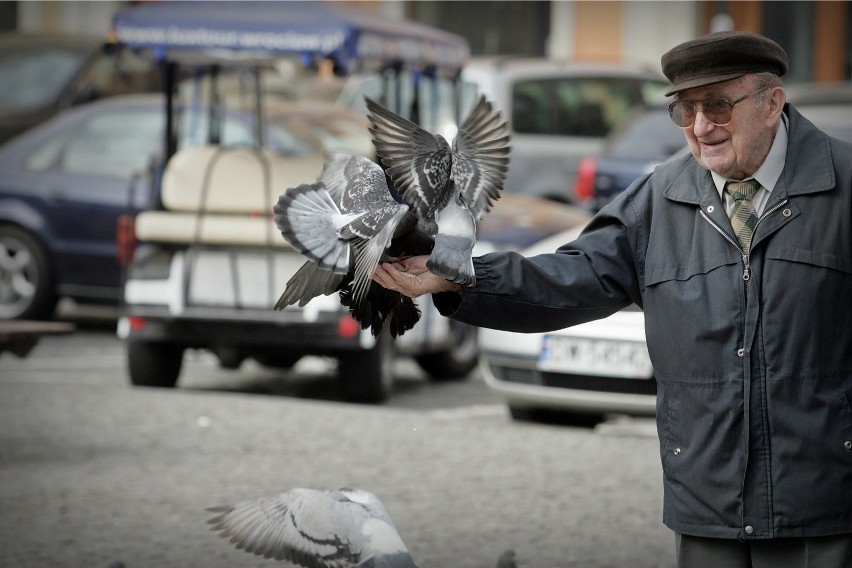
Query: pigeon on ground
{"type": "Point", "coordinates": [454, 186]}
{"type": "Point", "coordinates": [347, 528]}
{"type": "Point", "coordinates": [345, 224]}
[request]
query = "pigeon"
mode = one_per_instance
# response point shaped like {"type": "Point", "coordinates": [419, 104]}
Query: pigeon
{"type": "Point", "coordinates": [345, 528]}
{"type": "Point", "coordinates": [345, 224]}
{"type": "Point", "coordinates": [452, 186]}
{"type": "Point", "coordinates": [317, 529]}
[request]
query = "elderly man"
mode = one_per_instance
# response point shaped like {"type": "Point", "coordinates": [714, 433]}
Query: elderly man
{"type": "Point", "coordinates": [740, 256]}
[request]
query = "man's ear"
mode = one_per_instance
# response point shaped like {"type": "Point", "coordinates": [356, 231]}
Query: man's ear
{"type": "Point", "coordinates": [775, 100]}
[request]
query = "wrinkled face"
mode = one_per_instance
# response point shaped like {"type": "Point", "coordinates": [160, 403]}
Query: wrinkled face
{"type": "Point", "coordinates": [737, 149]}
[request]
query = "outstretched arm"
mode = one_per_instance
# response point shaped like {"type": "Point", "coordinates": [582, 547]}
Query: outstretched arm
{"type": "Point", "coordinates": [411, 278]}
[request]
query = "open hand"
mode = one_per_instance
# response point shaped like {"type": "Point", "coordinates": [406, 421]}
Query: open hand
{"type": "Point", "coordinates": [411, 278]}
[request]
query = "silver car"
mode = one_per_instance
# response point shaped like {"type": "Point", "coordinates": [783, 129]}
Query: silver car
{"type": "Point", "coordinates": [559, 113]}
{"type": "Point", "coordinates": [598, 367]}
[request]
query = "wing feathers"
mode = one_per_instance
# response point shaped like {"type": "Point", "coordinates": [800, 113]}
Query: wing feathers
{"type": "Point", "coordinates": [344, 224]}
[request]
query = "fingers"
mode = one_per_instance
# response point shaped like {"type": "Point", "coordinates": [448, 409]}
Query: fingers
{"type": "Point", "coordinates": [411, 278]}
{"type": "Point", "coordinates": [414, 265]}
{"type": "Point", "coordinates": [392, 278]}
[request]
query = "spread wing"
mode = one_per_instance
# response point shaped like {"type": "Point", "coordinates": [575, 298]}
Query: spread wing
{"type": "Point", "coordinates": [316, 529]}
{"type": "Point", "coordinates": [368, 251]}
{"type": "Point", "coordinates": [304, 526]}
{"type": "Point", "coordinates": [364, 192]}
{"type": "Point", "coordinates": [418, 161]}
{"type": "Point", "coordinates": [481, 157]}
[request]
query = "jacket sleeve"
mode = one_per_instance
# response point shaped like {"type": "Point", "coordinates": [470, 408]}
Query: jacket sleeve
{"type": "Point", "coordinates": [590, 278]}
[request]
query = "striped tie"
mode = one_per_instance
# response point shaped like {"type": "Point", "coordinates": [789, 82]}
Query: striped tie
{"type": "Point", "coordinates": [743, 217]}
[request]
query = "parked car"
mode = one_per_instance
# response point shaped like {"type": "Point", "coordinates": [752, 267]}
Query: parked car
{"type": "Point", "coordinates": [66, 182]}
{"type": "Point", "coordinates": [559, 113]}
{"type": "Point", "coordinates": [40, 75]}
{"type": "Point", "coordinates": [590, 369]}
{"type": "Point", "coordinates": [645, 138]}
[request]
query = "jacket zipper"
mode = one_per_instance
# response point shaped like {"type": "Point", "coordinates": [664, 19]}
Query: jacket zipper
{"type": "Point", "coordinates": [746, 265]}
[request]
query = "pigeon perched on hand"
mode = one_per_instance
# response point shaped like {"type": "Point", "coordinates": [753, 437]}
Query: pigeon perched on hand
{"type": "Point", "coordinates": [454, 186]}
{"type": "Point", "coordinates": [345, 224]}
{"type": "Point", "coordinates": [348, 528]}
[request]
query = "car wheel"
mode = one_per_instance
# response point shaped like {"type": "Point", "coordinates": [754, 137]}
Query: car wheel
{"type": "Point", "coordinates": [457, 362]}
{"type": "Point", "coordinates": [26, 280]}
{"type": "Point", "coordinates": [367, 377]}
{"type": "Point", "coordinates": [154, 364]}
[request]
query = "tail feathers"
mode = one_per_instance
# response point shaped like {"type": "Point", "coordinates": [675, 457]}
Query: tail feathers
{"type": "Point", "coordinates": [451, 259]}
{"type": "Point", "coordinates": [309, 282]}
{"type": "Point", "coordinates": [309, 220]}
{"type": "Point", "coordinates": [381, 306]}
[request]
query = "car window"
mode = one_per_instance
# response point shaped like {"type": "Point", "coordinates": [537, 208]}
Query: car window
{"type": "Point", "coordinates": [117, 73]}
{"type": "Point", "coordinates": [238, 131]}
{"type": "Point", "coordinates": [35, 76]}
{"type": "Point", "coordinates": [576, 106]}
{"type": "Point", "coordinates": [114, 144]}
{"type": "Point", "coordinates": [46, 155]}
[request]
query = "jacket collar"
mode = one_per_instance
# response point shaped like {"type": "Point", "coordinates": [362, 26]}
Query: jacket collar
{"type": "Point", "coordinates": [808, 168]}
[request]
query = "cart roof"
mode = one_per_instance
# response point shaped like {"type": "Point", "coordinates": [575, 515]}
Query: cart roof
{"type": "Point", "coordinates": [240, 31]}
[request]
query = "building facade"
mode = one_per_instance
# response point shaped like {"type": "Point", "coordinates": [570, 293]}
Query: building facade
{"type": "Point", "coordinates": [815, 34]}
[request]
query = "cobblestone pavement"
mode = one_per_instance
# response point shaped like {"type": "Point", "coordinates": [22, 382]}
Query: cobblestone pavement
{"type": "Point", "coordinates": [93, 471]}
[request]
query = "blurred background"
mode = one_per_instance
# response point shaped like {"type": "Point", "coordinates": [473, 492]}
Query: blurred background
{"type": "Point", "coordinates": [124, 291]}
{"type": "Point", "coordinates": [816, 34]}
{"type": "Point", "coordinates": [83, 155]}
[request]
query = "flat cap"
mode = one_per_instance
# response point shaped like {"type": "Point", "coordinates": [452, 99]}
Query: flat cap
{"type": "Point", "coordinates": [721, 56]}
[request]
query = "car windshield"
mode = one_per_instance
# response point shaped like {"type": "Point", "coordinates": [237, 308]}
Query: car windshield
{"type": "Point", "coordinates": [576, 106]}
{"type": "Point", "coordinates": [34, 76]}
{"type": "Point", "coordinates": [123, 141]}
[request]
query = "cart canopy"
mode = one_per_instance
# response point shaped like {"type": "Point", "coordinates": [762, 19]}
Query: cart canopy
{"type": "Point", "coordinates": [243, 31]}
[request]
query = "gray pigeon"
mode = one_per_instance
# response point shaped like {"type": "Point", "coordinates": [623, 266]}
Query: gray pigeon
{"type": "Point", "coordinates": [318, 529]}
{"type": "Point", "coordinates": [454, 186]}
{"type": "Point", "coordinates": [345, 224]}
{"type": "Point", "coordinates": [348, 528]}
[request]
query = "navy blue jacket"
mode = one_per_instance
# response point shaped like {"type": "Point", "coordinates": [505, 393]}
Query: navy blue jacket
{"type": "Point", "coordinates": [753, 355]}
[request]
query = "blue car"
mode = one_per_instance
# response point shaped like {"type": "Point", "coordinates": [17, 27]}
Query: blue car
{"type": "Point", "coordinates": [66, 182]}
{"type": "Point", "coordinates": [636, 147]}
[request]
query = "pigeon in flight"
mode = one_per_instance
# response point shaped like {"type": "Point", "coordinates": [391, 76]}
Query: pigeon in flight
{"type": "Point", "coordinates": [345, 224]}
{"type": "Point", "coordinates": [452, 186]}
{"type": "Point", "coordinates": [347, 528]}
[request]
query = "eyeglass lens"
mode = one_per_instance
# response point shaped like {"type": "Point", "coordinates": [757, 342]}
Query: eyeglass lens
{"type": "Point", "coordinates": [717, 111]}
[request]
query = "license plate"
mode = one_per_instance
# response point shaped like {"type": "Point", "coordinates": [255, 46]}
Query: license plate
{"type": "Point", "coordinates": [601, 357]}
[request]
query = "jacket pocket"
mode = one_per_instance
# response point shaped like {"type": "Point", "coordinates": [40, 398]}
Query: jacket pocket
{"type": "Point", "coordinates": [811, 453]}
{"type": "Point", "coordinates": [701, 434]}
{"type": "Point", "coordinates": [806, 293]}
{"type": "Point", "coordinates": [812, 257]}
{"type": "Point", "coordinates": [693, 315]}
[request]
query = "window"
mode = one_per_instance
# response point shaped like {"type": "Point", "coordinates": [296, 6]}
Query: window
{"type": "Point", "coordinates": [36, 76]}
{"type": "Point", "coordinates": [587, 107]}
{"type": "Point", "coordinates": [115, 144]}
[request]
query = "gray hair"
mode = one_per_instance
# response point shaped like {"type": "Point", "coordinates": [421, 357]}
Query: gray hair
{"type": "Point", "coordinates": [764, 82]}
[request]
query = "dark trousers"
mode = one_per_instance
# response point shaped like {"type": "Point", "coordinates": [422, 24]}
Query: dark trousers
{"type": "Point", "coordinates": [816, 552]}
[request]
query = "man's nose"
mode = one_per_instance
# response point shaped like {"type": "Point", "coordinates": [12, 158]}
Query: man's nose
{"type": "Point", "coordinates": [701, 125]}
